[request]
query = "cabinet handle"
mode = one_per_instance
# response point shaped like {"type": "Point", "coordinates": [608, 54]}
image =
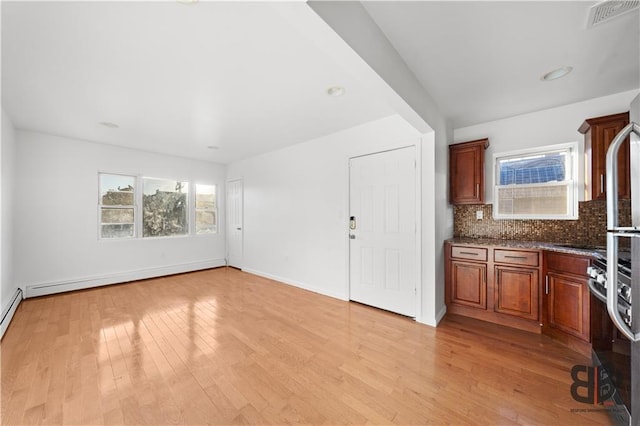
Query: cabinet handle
{"type": "Point", "coordinates": [546, 284]}
{"type": "Point", "coordinates": [515, 257]}
{"type": "Point", "coordinates": [468, 252]}
{"type": "Point", "coordinates": [477, 190]}
{"type": "Point", "coordinates": [601, 183]}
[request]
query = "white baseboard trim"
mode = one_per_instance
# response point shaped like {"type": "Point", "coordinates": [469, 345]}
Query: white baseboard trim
{"type": "Point", "coordinates": [441, 314]}
{"type": "Point", "coordinates": [9, 310]}
{"type": "Point", "coordinates": [298, 284]}
{"type": "Point", "coordinates": [435, 321]}
{"type": "Point", "coordinates": [82, 283]}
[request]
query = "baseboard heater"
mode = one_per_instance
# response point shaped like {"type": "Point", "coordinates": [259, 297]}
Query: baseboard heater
{"type": "Point", "coordinates": [81, 283]}
{"type": "Point", "coordinates": [8, 311]}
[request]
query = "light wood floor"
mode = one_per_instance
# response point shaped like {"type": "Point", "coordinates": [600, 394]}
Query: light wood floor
{"type": "Point", "coordinates": [223, 346]}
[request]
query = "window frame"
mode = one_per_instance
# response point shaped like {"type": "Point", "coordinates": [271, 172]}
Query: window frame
{"type": "Point", "coordinates": [195, 211]}
{"type": "Point", "coordinates": [138, 207]}
{"type": "Point", "coordinates": [571, 181]}
{"type": "Point", "coordinates": [141, 215]}
{"type": "Point", "coordinates": [133, 207]}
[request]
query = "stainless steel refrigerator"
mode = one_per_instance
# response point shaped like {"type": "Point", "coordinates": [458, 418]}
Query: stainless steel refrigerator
{"type": "Point", "coordinates": [623, 289]}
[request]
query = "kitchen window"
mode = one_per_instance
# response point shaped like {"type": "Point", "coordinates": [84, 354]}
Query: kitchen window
{"type": "Point", "coordinates": [117, 209]}
{"type": "Point", "coordinates": [536, 184]}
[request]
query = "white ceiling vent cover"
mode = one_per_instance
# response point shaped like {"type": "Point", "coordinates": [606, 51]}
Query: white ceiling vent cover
{"type": "Point", "coordinates": [609, 9]}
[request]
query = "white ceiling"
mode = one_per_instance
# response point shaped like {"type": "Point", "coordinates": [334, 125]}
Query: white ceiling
{"type": "Point", "coordinates": [483, 60]}
{"type": "Point", "coordinates": [246, 76]}
{"type": "Point", "coordinates": [176, 78]}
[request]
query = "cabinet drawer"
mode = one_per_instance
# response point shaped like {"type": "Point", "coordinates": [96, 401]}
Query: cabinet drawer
{"type": "Point", "coordinates": [470, 253]}
{"type": "Point", "coordinates": [516, 257]}
{"type": "Point", "coordinates": [567, 263]}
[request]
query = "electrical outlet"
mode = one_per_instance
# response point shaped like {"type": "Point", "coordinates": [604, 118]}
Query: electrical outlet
{"type": "Point", "coordinates": [479, 214]}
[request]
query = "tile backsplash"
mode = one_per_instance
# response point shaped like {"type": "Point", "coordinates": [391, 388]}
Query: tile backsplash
{"type": "Point", "coordinates": [589, 230]}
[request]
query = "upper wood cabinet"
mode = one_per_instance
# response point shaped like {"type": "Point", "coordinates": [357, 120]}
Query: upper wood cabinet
{"type": "Point", "coordinates": [598, 134]}
{"type": "Point", "coordinates": [466, 172]}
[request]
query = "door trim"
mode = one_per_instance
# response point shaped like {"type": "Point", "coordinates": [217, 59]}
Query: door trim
{"type": "Point", "coordinates": [418, 218]}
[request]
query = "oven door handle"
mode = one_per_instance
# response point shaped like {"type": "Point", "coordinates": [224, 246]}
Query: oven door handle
{"type": "Point", "coordinates": [594, 290]}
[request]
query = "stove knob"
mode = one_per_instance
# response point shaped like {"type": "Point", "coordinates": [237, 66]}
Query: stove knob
{"type": "Point", "coordinates": [624, 291]}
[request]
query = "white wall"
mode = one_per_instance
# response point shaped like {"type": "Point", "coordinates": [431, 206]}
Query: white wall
{"type": "Point", "coordinates": [8, 284]}
{"type": "Point", "coordinates": [56, 219]}
{"type": "Point", "coordinates": [296, 205]}
{"type": "Point", "coordinates": [437, 220]}
{"type": "Point", "coordinates": [547, 127]}
{"type": "Point", "coordinates": [356, 27]}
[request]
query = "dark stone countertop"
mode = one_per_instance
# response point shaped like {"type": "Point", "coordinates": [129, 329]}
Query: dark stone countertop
{"type": "Point", "coordinates": [535, 245]}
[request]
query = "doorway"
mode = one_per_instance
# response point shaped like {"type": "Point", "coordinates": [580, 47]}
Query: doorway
{"type": "Point", "coordinates": [383, 230]}
{"type": "Point", "coordinates": [235, 206]}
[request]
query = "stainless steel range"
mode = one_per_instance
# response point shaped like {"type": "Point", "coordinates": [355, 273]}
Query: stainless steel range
{"type": "Point", "coordinates": [598, 282]}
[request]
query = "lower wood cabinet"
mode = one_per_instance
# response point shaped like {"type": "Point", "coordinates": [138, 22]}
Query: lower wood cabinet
{"type": "Point", "coordinates": [494, 284]}
{"type": "Point", "coordinates": [566, 303]}
{"type": "Point", "coordinates": [469, 284]}
{"type": "Point", "coordinates": [516, 292]}
{"type": "Point", "coordinates": [542, 292]}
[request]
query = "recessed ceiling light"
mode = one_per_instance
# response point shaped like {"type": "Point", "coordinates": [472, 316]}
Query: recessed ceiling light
{"type": "Point", "coordinates": [556, 74]}
{"type": "Point", "coordinates": [109, 124]}
{"type": "Point", "coordinates": [213, 147]}
{"type": "Point", "coordinates": [335, 91]}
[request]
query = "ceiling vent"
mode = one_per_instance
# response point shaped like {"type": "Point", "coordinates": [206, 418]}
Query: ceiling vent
{"type": "Point", "coordinates": [609, 9]}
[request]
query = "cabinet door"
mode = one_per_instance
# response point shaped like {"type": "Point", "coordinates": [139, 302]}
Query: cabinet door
{"type": "Point", "coordinates": [466, 168]}
{"type": "Point", "coordinates": [567, 305]}
{"type": "Point", "coordinates": [600, 134]}
{"type": "Point", "coordinates": [516, 292]}
{"type": "Point", "coordinates": [469, 284]}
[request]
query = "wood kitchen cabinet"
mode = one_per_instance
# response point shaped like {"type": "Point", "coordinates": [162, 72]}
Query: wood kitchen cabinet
{"type": "Point", "coordinates": [517, 283]}
{"type": "Point", "coordinates": [469, 286]}
{"type": "Point", "coordinates": [566, 301]}
{"type": "Point", "coordinates": [516, 291]}
{"type": "Point", "coordinates": [469, 279]}
{"type": "Point", "coordinates": [494, 284]}
{"type": "Point", "coordinates": [540, 291]}
{"type": "Point", "coordinates": [466, 172]}
{"type": "Point", "coordinates": [598, 134]}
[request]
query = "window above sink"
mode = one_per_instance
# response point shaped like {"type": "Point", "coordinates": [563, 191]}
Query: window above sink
{"type": "Point", "coordinates": [538, 183]}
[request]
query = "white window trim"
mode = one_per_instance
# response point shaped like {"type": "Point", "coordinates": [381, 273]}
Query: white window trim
{"type": "Point", "coordinates": [127, 206]}
{"type": "Point", "coordinates": [195, 209]}
{"type": "Point", "coordinates": [138, 193]}
{"type": "Point", "coordinates": [140, 219]}
{"type": "Point", "coordinates": [572, 184]}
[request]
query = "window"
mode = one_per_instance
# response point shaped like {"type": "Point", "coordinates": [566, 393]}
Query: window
{"type": "Point", "coordinates": [164, 208]}
{"type": "Point", "coordinates": [117, 206]}
{"type": "Point", "coordinates": [206, 209]}
{"type": "Point", "coordinates": [167, 207]}
{"type": "Point", "coordinates": [536, 184]}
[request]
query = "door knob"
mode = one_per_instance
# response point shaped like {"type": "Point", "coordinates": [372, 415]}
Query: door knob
{"type": "Point", "coordinates": [351, 236]}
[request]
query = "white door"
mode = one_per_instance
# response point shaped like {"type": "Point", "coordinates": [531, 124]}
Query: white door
{"type": "Point", "coordinates": [234, 222]}
{"type": "Point", "coordinates": [382, 242]}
